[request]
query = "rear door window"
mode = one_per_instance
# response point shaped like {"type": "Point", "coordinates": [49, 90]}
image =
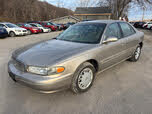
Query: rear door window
{"type": "Point", "coordinates": [126, 29]}
{"type": "Point", "coordinates": [113, 30]}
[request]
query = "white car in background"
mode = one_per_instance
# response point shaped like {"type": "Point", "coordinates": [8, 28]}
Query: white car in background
{"type": "Point", "coordinates": [147, 25]}
{"type": "Point", "coordinates": [13, 30]}
{"type": "Point", "coordinates": [44, 29]}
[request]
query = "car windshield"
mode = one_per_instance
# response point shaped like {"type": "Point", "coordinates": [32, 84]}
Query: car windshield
{"type": "Point", "coordinates": [38, 25]}
{"type": "Point", "coordinates": [11, 25]}
{"type": "Point", "coordinates": [54, 24]}
{"type": "Point", "coordinates": [83, 33]}
{"type": "Point", "coordinates": [49, 24]}
{"type": "Point", "coordinates": [27, 25]}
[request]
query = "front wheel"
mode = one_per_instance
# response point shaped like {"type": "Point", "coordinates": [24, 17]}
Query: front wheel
{"type": "Point", "coordinates": [29, 32]}
{"type": "Point", "coordinates": [12, 34]}
{"type": "Point", "coordinates": [83, 78]}
{"type": "Point", "coordinates": [135, 57]}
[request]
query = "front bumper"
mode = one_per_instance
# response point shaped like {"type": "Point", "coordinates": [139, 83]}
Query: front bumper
{"type": "Point", "coordinates": [35, 31]}
{"type": "Point", "coordinates": [46, 30]}
{"type": "Point", "coordinates": [21, 33]}
{"type": "Point", "coordinates": [44, 84]}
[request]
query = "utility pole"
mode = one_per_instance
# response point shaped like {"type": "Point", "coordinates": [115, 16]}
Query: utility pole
{"type": "Point", "coordinates": [143, 13]}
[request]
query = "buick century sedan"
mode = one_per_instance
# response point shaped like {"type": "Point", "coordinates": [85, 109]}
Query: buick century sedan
{"type": "Point", "coordinates": [73, 59]}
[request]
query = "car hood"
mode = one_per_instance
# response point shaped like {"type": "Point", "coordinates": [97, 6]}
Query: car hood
{"type": "Point", "coordinates": [19, 28]}
{"type": "Point", "coordinates": [49, 52]}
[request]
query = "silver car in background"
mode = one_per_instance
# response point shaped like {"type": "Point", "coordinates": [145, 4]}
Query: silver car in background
{"type": "Point", "coordinates": [73, 58]}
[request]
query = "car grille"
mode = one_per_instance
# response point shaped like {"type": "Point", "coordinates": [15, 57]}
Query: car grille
{"type": "Point", "coordinates": [20, 66]}
{"type": "Point", "coordinates": [24, 30]}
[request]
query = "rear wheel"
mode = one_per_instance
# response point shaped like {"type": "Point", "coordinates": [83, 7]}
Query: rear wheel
{"type": "Point", "coordinates": [12, 34]}
{"type": "Point", "coordinates": [135, 57]}
{"type": "Point", "coordinates": [29, 32]}
{"type": "Point", "coordinates": [83, 78]}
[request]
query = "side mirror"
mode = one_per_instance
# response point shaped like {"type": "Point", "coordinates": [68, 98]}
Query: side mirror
{"type": "Point", "coordinates": [110, 39]}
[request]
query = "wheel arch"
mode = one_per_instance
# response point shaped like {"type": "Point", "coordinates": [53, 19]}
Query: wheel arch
{"type": "Point", "coordinates": [11, 31]}
{"type": "Point", "coordinates": [94, 63]}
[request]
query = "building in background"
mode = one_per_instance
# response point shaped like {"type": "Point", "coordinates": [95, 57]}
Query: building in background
{"type": "Point", "coordinates": [93, 13]}
{"type": "Point", "coordinates": [65, 20]}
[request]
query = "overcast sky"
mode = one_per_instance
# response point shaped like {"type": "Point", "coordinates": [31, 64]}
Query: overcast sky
{"type": "Point", "coordinates": [134, 14]}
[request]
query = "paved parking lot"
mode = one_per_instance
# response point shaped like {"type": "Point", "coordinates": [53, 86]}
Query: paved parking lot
{"type": "Point", "coordinates": [123, 89]}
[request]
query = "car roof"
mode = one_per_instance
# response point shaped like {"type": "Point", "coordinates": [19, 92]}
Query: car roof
{"type": "Point", "coordinates": [34, 23]}
{"type": "Point", "coordinates": [101, 21]}
{"type": "Point", "coordinates": [5, 23]}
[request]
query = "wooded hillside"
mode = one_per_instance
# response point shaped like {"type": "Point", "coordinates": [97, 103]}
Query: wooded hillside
{"type": "Point", "coordinates": [29, 10]}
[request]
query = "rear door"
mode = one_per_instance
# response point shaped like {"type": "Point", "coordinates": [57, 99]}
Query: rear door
{"type": "Point", "coordinates": [129, 34]}
{"type": "Point", "coordinates": [112, 52]}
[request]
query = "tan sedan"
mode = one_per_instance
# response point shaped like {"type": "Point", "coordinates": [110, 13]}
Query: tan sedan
{"type": "Point", "coordinates": [73, 58]}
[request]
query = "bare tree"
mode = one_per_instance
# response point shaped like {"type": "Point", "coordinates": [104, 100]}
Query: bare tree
{"type": "Point", "coordinates": [120, 7]}
{"type": "Point", "coordinates": [29, 10]}
{"type": "Point", "coordinates": [86, 3]}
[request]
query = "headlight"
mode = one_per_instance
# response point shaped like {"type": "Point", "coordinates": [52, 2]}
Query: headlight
{"type": "Point", "coordinates": [35, 29]}
{"type": "Point", "coordinates": [45, 71]}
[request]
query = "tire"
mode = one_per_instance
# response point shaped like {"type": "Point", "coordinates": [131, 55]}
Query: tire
{"type": "Point", "coordinates": [12, 34]}
{"type": "Point", "coordinates": [50, 30]}
{"type": "Point", "coordinates": [29, 32]}
{"type": "Point", "coordinates": [136, 57]}
{"type": "Point", "coordinates": [78, 78]}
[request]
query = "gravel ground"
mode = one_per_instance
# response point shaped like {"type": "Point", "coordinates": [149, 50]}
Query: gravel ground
{"type": "Point", "coordinates": [123, 89]}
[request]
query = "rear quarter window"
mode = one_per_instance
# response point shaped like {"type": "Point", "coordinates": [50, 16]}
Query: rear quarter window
{"type": "Point", "coordinates": [127, 30]}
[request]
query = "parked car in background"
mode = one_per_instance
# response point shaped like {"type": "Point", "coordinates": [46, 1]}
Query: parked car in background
{"type": "Point", "coordinates": [44, 29]}
{"type": "Point", "coordinates": [30, 29]}
{"type": "Point", "coordinates": [60, 27]}
{"type": "Point", "coordinates": [132, 23]}
{"type": "Point", "coordinates": [139, 24]}
{"type": "Point", "coordinates": [149, 25]}
{"type": "Point", "coordinates": [145, 25]}
{"type": "Point", "coordinates": [63, 26]}
{"type": "Point", "coordinates": [74, 58]}
{"type": "Point", "coordinates": [3, 33]}
{"type": "Point", "coordinates": [48, 25]}
{"type": "Point", "coordinates": [69, 24]}
{"type": "Point", "coordinates": [13, 30]}
{"type": "Point", "coordinates": [56, 25]}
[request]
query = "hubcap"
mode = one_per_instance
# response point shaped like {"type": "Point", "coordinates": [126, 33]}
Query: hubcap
{"type": "Point", "coordinates": [29, 32]}
{"type": "Point", "coordinates": [137, 53]}
{"type": "Point", "coordinates": [12, 34]}
{"type": "Point", "coordinates": [85, 78]}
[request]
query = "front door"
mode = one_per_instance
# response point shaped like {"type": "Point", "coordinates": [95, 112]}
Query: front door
{"type": "Point", "coordinates": [112, 52]}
